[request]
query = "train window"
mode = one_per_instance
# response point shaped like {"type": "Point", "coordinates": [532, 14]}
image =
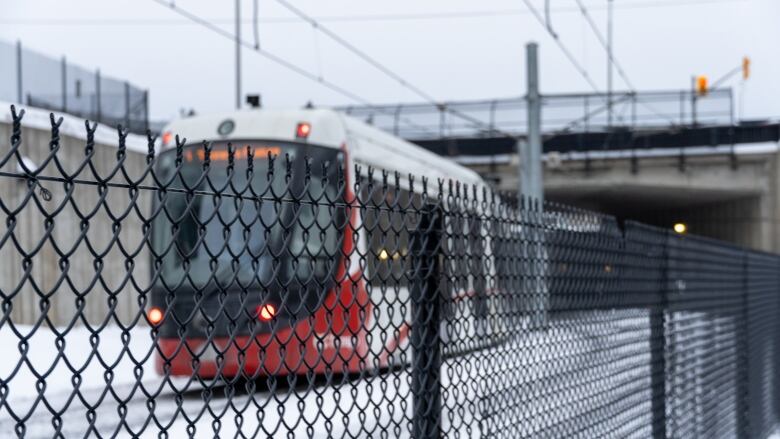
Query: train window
{"type": "Point", "coordinates": [221, 239]}
{"type": "Point", "coordinates": [386, 223]}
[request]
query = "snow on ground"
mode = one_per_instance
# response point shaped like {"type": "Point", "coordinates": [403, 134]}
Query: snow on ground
{"type": "Point", "coordinates": [37, 351]}
{"type": "Point", "coordinates": [583, 377]}
{"type": "Point", "coordinates": [332, 409]}
{"type": "Point", "coordinates": [43, 365]}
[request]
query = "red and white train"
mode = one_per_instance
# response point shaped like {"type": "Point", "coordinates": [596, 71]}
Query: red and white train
{"type": "Point", "coordinates": [245, 285]}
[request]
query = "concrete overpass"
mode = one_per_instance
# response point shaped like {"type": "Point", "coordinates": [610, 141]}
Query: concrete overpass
{"type": "Point", "coordinates": [729, 192]}
{"type": "Point", "coordinates": [720, 177]}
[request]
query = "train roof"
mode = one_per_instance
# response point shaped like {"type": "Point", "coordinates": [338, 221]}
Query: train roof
{"type": "Point", "coordinates": [367, 145]}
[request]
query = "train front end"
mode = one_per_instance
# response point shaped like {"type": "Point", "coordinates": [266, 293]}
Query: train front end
{"type": "Point", "coordinates": [248, 260]}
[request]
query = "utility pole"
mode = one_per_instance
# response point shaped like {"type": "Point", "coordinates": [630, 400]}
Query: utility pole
{"type": "Point", "coordinates": [532, 198]}
{"type": "Point", "coordinates": [609, 63]}
{"type": "Point", "coordinates": [530, 151]}
{"type": "Point", "coordinates": [693, 100]}
{"type": "Point", "coordinates": [238, 54]}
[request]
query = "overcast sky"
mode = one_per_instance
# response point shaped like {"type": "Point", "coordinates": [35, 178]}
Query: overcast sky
{"type": "Point", "coordinates": [474, 51]}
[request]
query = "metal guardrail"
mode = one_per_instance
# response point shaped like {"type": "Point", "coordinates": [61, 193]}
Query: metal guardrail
{"type": "Point", "coordinates": [286, 295]}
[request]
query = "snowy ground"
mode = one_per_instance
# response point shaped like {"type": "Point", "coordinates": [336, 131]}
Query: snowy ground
{"type": "Point", "coordinates": [580, 378]}
{"type": "Point", "coordinates": [480, 391]}
{"type": "Point", "coordinates": [123, 410]}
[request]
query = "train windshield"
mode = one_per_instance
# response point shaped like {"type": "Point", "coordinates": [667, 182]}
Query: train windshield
{"type": "Point", "coordinates": [269, 229]}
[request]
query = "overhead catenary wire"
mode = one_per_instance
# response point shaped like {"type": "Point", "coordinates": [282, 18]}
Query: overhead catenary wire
{"type": "Point", "coordinates": [576, 64]}
{"type": "Point", "coordinates": [496, 13]}
{"type": "Point", "coordinates": [581, 69]}
{"type": "Point", "coordinates": [614, 62]}
{"type": "Point", "coordinates": [602, 40]}
{"type": "Point", "coordinates": [255, 23]}
{"type": "Point", "coordinates": [547, 16]}
{"type": "Point", "coordinates": [272, 57]}
{"type": "Point", "coordinates": [384, 69]}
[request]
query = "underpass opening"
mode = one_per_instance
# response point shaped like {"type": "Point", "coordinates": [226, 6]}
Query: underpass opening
{"type": "Point", "coordinates": [736, 219]}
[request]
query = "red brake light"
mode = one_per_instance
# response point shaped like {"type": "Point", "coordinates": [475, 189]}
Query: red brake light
{"type": "Point", "coordinates": [302, 130]}
{"type": "Point", "coordinates": [266, 312]}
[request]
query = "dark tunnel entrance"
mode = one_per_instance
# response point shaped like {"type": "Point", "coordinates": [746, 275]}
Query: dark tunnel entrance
{"type": "Point", "coordinates": [736, 219]}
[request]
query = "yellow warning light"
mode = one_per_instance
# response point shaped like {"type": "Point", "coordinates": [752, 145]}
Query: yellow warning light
{"type": "Point", "coordinates": [701, 85]}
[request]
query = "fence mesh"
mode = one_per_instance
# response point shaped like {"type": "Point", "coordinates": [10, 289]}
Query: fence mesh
{"type": "Point", "coordinates": [275, 290]}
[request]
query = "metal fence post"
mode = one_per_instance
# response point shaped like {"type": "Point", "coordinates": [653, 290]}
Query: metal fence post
{"type": "Point", "coordinates": [64, 85]}
{"type": "Point", "coordinates": [658, 348]}
{"type": "Point", "coordinates": [97, 95]}
{"type": "Point", "coordinates": [19, 92]}
{"type": "Point", "coordinates": [776, 359]}
{"type": "Point", "coordinates": [127, 104]}
{"type": "Point", "coordinates": [146, 110]}
{"type": "Point", "coordinates": [743, 356]}
{"type": "Point", "coordinates": [426, 318]}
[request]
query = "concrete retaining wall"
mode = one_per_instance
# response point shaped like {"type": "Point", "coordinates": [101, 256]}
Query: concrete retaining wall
{"type": "Point", "coordinates": [86, 251]}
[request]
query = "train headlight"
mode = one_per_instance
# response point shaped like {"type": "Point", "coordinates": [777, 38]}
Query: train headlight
{"type": "Point", "coordinates": [155, 315]}
{"type": "Point", "coordinates": [680, 228]}
{"type": "Point", "coordinates": [266, 312]}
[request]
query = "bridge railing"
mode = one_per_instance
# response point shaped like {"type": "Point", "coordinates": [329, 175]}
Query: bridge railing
{"type": "Point", "coordinates": [560, 113]}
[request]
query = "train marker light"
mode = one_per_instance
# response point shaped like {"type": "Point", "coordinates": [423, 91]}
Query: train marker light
{"type": "Point", "coordinates": [302, 130]}
{"type": "Point", "coordinates": [166, 138]}
{"type": "Point", "coordinates": [266, 312]}
{"type": "Point", "coordinates": [155, 315]}
{"type": "Point", "coordinates": [680, 228]}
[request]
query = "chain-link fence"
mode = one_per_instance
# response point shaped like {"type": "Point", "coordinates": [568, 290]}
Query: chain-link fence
{"type": "Point", "coordinates": [282, 292]}
{"type": "Point", "coordinates": [563, 113]}
{"type": "Point", "coordinates": [40, 81]}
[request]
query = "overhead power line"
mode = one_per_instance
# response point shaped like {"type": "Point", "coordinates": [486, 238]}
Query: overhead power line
{"type": "Point", "coordinates": [382, 68]}
{"type": "Point", "coordinates": [272, 57]}
{"type": "Point", "coordinates": [604, 44]}
{"type": "Point", "coordinates": [349, 46]}
{"type": "Point", "coordinates": [265, 53]}
{"type": "Point", "coordinates": [107, 21]}
{"type": "Point", "coordinates": [614, 62]}
{"type": "Point", "coordinates": [580, 69]}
